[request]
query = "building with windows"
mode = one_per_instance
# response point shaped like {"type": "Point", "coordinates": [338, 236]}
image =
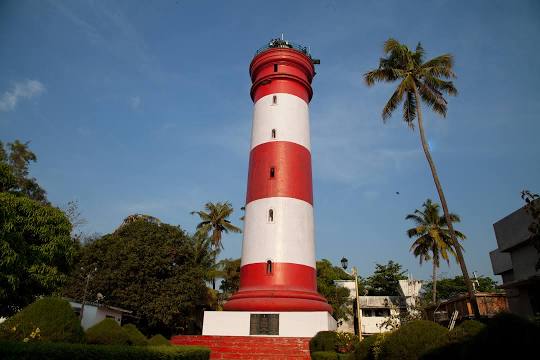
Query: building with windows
{"type": "Point", "coordinates": [377, 311]}
{"type": "Point", "coordinates": [515, 261]}
{"type": "Point", "coordinates": [96, 312]}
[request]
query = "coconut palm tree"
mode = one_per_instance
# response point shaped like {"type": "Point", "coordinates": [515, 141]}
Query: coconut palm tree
{"type": "Point", "coordinates": [420, 81]}
{"type": "Point", "coordinates": [214, 220]}
{"type": "Point", "coordinates": [433, 240]}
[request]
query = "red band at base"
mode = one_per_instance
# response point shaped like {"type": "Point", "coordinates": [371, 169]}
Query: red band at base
{"type": "Point", "coordinates": [287, 287]}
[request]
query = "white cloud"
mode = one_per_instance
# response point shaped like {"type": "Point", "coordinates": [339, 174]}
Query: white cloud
{"type": "Point", "coordinates": [21, 90]}
{"type": "Point", "coordinates": [135, 102]}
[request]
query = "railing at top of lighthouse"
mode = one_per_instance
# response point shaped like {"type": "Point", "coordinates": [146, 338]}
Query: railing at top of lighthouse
{"type": "Point", "coordinates": [285, 44]}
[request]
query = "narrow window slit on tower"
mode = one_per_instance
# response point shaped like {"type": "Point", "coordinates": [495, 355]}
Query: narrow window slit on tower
{"type": "Point", "coordinates": [273, 133]}
{"type": "Point", "coordinates": [272, 172]}
{"type": "Point", "coordinates": [275, 67]}
{"type": "Point", "coordinates": [269, 267]}
{"type": "Point", "coordinates": [270, 215]}
{"type": "Point", "coordinates": [274, 100]}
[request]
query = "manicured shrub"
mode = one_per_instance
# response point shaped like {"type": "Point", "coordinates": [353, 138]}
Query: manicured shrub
{"type": "Point", "coordinates": [465, 331]}
{"type": "Point", "coordinates": [323, 341]}
{"type": "Point", "coordinates": [135, 337]}
{"type": "Point", "coordinates": [369, 348]}
{"type": "Point", "coordinates": [107, 332]}
{"type": "Point", "coordinates": [412, 340]}
{"type": "Point", "coordinates": [47, 319]}
{"type": "Point", "coordinates": [63, 351]}
{"type": "Point", "coordinates": [324, 355]}
{"type": "Point", "coordinates": [159, 340]}
{"type": "Point", "coordinates": [504, 336]}
{"type": "Point", "coordinates": [346, 342]}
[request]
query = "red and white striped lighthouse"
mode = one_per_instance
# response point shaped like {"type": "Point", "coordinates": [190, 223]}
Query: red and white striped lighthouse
{"type": "Point", "coordinates": [278, 253]}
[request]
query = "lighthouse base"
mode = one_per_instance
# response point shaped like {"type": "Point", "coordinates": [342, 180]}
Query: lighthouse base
{"type": "Point", "coordinates": [282, 324]}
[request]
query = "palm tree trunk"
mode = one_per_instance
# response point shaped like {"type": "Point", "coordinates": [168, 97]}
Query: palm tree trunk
{"type": "Point", "coordinates": [459, 253]}
{"type": "Point", "coordinates": [434, 282]}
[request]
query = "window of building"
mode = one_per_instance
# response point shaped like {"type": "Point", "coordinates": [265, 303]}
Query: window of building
{"type": "Point", "coordinates": [273, 133]}
{"type": "Point", "coordinates": [275, 67]}
{"type": "Point", "coordinates": [269, 267]}
{"type": "Point", "coordinates": [270, 215]}
{"type": "Point", "coordinates": [274, 100]}
{"type": "Point", "coordinates": [382, 312]}
{"type": "Point", "coordinates": [272, 172]}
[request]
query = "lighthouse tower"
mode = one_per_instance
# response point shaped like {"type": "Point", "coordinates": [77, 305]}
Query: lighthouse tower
{"type": "Point", "coordinates": [278, 285]}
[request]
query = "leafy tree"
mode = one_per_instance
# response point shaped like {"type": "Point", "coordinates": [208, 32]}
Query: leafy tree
{"type": "Point", "coordinates": [36, 251]}
{"type": "Point", "coordinates": [419, 81]}
{"type": "Point", "coordinates": [149, 268]}
{"type": "Point", "coordinates": [337, 296]}
{"type": "Point", "coordinates": [215, 220]}
{"type": "Point", "coordinates": [432, 237]}
{"type": "Point", "coordinates": [450, 287]}
{"type": "Point", "coordinates": [230, 274]}
{"type": "Point", "coordinates": [14, 171]}
{"type": "Point", "coordinates": [385, 279]}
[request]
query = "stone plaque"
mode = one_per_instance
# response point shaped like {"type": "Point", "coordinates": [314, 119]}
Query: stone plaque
{"type": "Point", "coordinates": [264, 324]}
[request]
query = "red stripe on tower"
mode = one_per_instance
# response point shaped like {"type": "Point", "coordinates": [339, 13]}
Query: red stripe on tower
{"type": "Point", "coordinates": [278, 252]}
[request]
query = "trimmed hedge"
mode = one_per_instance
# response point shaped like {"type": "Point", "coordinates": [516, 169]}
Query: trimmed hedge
{"type": "Point", "coordinates": [465, 331]}
{"type": "Point", "coordinates": [53, 317]}
{"type": "Point", "coordinates": [412, 340]}
{"type": "Point", "coordinates": [135, 337]}
{"type": "Point", "coordinates": [324, 355]}
{"type": "Point", "coordinates": [369, 348]}
{"type": "Point", "coordinates": [323, 341]}
{"type": "Point", "coordinates": [159, 340]}
{"type": "Point", "coordinates": [63, 351]}
{"type": "Point", "coordinates": [107, 332]}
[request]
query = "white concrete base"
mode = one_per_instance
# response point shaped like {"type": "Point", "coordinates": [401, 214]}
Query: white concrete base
{"type": "Point", "coordinates": [291, 324]}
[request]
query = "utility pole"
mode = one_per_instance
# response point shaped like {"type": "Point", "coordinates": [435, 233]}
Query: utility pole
{"type": "Point", "coordinates": [88, 276]}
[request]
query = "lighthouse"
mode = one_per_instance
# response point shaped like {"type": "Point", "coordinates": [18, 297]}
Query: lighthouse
{"type": "Point", "coordinates": [278, 281]}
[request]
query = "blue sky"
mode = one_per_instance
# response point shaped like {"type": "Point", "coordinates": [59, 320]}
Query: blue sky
{"type": "Point", "coordinates": [143, 107]}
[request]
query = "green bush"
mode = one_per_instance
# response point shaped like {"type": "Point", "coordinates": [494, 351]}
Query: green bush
{"type": "Point", "coordinates": [323, 341]}
{"type": "Point", "coordinates": [465, 331]}
{"type": "Point", "coordinates": [412, 340]}
{"type": "Point", "coordinates": [135, 337]}
{"type": "Point", "coordinates": [504, 336]}
{"type": "Point", "coordinates": [324, 355]}
{"type": "Point", "coordinates": [62, 351]}
{"type": "Point", "coordinates": [369, 348]}
{"type": "Point", "coordinates": [159, 340]}
{"type": "Point", "coordinates": [107, 332]}
{"type": "Point", "coordinates": [47, 319]}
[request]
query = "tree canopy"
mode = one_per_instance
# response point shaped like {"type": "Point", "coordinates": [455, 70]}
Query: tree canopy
{"type": "Point", "coordinates": [450, 287]}
{"type": "Point", "coordinates": [337, 296]}
{"type": "Point", "coordinates": [385, 279]}
{"type": "Point", "coordinates": [150, 268]}
{"type": "Point", "coordinates": [36, 249]}
{"type": "Point", "coordinates": [215, 220]}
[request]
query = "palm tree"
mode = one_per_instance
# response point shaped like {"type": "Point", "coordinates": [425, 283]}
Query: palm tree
{"type": "Point", "coordinates": [214, 220]}
{"type": "Point", "coordinates": [419, 81]}
{"type": "Point", "coordinates": [433, 240]}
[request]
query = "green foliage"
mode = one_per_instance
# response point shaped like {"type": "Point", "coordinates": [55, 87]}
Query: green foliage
{"type": "Point", "coordinates": [369, 348]}
{"type": "Point", "coordinates": [229, 271]}
{"type": "Point", "coordinates": [14, 171]}
{"type": "Point", "coordinates": [503, 336]}
{"type": "Point", "coordinates": [448, 288]}
{"type": "Point", "coordinates": [346, 342]}
{"type": "Point", "coordinates": [323, 341]}
{"type": "Point", "coordinates": [324, 355]}
{"type": "Point", "coordinates": [151, 269]}
{"type": "Point", "coordinates": [215, 220]}
{"type": "Point", "coordinates": [158, 340]}
{"type": "Point", "coordinates": [337, 296]}
{"type": "Point", "coordinates": [135, 337]}
{"type": "Point", "coordinates": [107, 332]}
{"type": "Point", "coordinates": [385, 279]}
{"type": "Point", "coordinates": [36, 251]}
{"type": "Point", "coordinates": [53, 317]}
{"type": "Point", "coordinates": [465, 331]}
{"type": "Point", "coordinates": [59, 351]}
{"type": "Point", "coordinates": [412, 340]}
